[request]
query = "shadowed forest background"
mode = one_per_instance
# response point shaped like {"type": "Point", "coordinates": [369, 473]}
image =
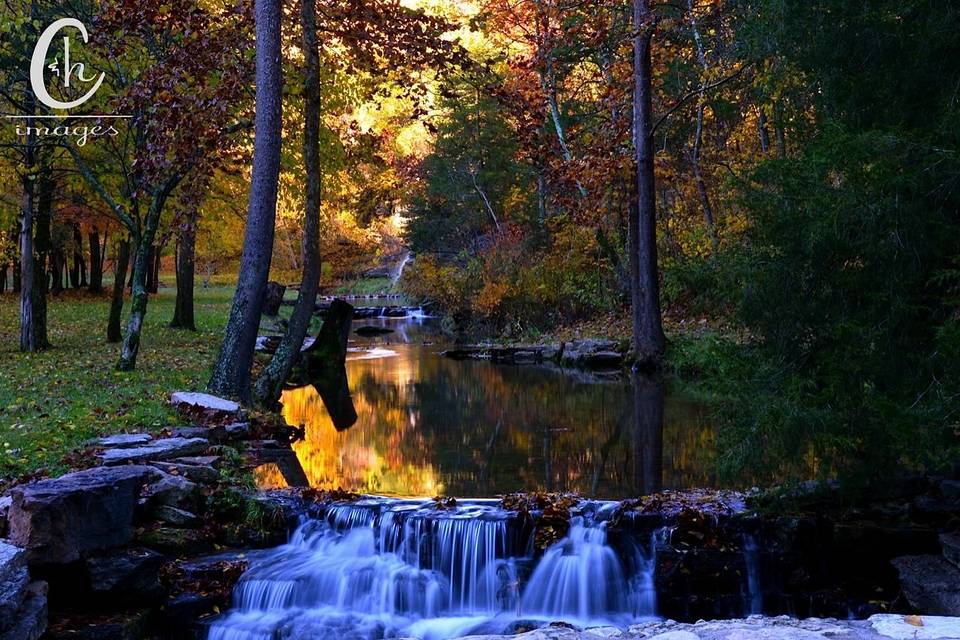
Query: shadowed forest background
{"type": "Point", "coordinates": [478, 157]}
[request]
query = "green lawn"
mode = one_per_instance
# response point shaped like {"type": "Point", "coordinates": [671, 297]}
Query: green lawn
{"type": "Point", "coordinates": [52, 402]}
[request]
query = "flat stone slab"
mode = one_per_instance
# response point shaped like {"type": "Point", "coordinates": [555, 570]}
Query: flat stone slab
{"type": "Point", "coordinates": [878, 627]}
{"type": "Point", "coordinates": [915, 627]}
{"type": "Point", "coordinates": [196, 473]}
{"type": "Point", "coordinates": [203, 401]}
{"type": "Point", "coordinates": [163, 449]}
{"type": "Point", "coordinates": [123, 440]}
{"type": "Point", "coordinates": [56, 520]}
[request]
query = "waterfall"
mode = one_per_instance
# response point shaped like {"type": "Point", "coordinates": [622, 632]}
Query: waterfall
{"type": "Point", "coordinates": [754, 599]}
{"type": "Point", "coordinates": [385, 568]}
{"type": "Point", "coordinates": [399, 272]}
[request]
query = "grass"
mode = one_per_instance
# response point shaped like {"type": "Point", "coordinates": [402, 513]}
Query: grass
{"type": "Point", "coordinates": [52, 402]}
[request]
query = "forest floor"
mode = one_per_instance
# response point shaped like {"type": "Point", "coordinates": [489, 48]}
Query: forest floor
{"type": "Point", "coordinates": [53, 401]}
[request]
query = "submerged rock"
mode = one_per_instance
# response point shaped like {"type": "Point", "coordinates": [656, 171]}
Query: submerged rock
{"type": "Point", "coordinates": [57, 520]}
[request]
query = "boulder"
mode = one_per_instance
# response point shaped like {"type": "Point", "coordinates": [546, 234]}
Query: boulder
{"type": "Point", "coordinates": [164, 449]}
{"type": "Point", "coordinates": [176, 517]}
{"type": "Point", "coordinates": [14, 578]}
{"type": "Point", "coordinates": [213, 433]}
{"type": "Point", "coordinates": [239, 431]}
{"type": "Point", "coordinates": [129, 576]}
{"type": "Point", "coordinates": [59, 519]}
{"type": "Point", "coordinates": [203, 408]}
{"type": "Point", "coordinates": [171, 490]}
{"type": "Point", "coordinates": [196, 473]}
{"type": "Point", "coordinates": [591, 353]}
{"type": "Point", "coordinates": [30, 622]}
{"type": "Point", "coordinates": [930, 584]}
{"type": "Point", "coordinates": [123, 440]}
{"type": "Point", "coordinates": [175, 542]}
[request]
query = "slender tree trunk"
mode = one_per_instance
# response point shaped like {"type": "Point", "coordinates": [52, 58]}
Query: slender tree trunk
{"type": "Point", "coordinates": [141, 268]}
{"type": "Point", "coordinates": [270, 382]}
{"type": "Point", "coordinates": [705, 204]}
{"type": "Point", "coordinates": [149, 282]}
{"type": "Point", "coordinates": [79, 280]}
{"type": "Point", "coordinates": [762, 130]}
{"type": "Point", "coordinates": [183, 316]}
{"type": "Point", "coordinates": [120, 266]}
{"type": "Point", "coordinates": [778, 126]}
{"type": "Point", "coordinates": [41, 249]}
{"type": "Point", "coordinates": [28, 334]}
{"type": "Point", "coordinates": [231, 373]}
{"type": "Point", "coordinates": [155, 266]}
{"type": "Point", "coordinates": [96, 261]}
{"type": "Point", "coordinates": [648, 335]}
{"type": "Point", "coordinates": [3, 278]}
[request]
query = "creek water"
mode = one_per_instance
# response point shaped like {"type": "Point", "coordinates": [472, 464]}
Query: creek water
{"type": "Point", "coordinates": [400, 566]}
{"type": "Point", "coordinates": [428, 425]}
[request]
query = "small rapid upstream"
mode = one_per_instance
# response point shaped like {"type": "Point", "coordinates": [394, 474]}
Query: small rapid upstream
{"type": "Point", "coordinates": [388, 568]}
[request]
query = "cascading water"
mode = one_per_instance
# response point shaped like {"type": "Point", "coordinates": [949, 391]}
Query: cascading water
{"type": "Point", "coordinates": [398, 568]}
{"type": "Point", "coordinates": [754, 595]}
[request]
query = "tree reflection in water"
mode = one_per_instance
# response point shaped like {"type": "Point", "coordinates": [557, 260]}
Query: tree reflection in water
{"type": "Point", "coordinates": [427, 426]}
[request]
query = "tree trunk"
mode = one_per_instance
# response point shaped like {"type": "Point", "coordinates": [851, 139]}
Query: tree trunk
{"type": "Point", "coordinates": [231, 373]}
{"type": "Point", "coordinates": [120, 266]}
{"type": "Point", "coordinates": [270, 382]}
{"type": "Point", "coordinates": [155, 266]}
{"type": "Point", "coordinates": [79, 264]}
{"type": "Point", "coordinates": [762, 130]}
{"type": "Point", "coordinates": [151, 288]}
{"type": "Point", "coordinates": [41, 249]}
{"type": "Point", "coordinates": [96, 261]}
{"type": "Point", "coordinates": [3, 278]}
{"type": "Point", "coordinates": [183, 317]}
{"type": "Point", "coordinates": [648, 335]}
{"type": "Point", "coordinates": [28, 334]}
{"type": "Point", "coordinates": [141, 269]}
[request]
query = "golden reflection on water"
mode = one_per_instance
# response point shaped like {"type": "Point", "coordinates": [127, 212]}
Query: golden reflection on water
{"type": "Point", "coordinates": [430, 426]}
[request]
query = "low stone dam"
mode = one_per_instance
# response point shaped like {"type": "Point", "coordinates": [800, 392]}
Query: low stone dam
{"type": "Point", "coordinates": [429, 569]}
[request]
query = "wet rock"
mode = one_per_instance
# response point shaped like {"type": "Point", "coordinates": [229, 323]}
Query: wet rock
{"type": "Point", "coordinates": [14, 578]}
{"type": "Point", "coordinates": [915, 627]}
{"type": "Point", "coordinates": [930, 584]}
{"type": "Point", "coordinates": [200, 461]}
{"type": "Point", "coordinates": [30, 622]}
{"type": "Point", "coordinates": [171, 490]}
{"type": "Point", "coordinates": [164, 449]}
{"type": "Point", "coordinates": [951, 548]}
{"type": "Point", "coordinates": [196, 473]}
{"type": "Point", "coordinates": [176, 517]}
{"type": "Point", "coordinates": [57, 520]}
{"type": "Point", "coordinates": [591, 353]}
{"type": "Point", "coordinates": [203, 408]}
{"type": "Point", "coordinates": [180, 615]}
{"type": "Point", "coordinates": [127, 576]}
{"type": "Point", "coordinates": [123, 440]}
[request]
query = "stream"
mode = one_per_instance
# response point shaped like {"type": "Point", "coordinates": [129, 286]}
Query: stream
{"type": "Point", "coordinates": [398, 566]}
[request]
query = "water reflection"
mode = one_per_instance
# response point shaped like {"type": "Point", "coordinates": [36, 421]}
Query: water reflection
{"type": "Point", "coordinates": [427, 425]}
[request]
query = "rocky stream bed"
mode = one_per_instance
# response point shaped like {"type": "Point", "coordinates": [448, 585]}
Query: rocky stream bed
{"type": "Point", "coordinates": [152, 538]}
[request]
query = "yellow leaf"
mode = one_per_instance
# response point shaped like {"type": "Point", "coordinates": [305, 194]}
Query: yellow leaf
{"type": "Point", "coordinates": [916, 621]}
